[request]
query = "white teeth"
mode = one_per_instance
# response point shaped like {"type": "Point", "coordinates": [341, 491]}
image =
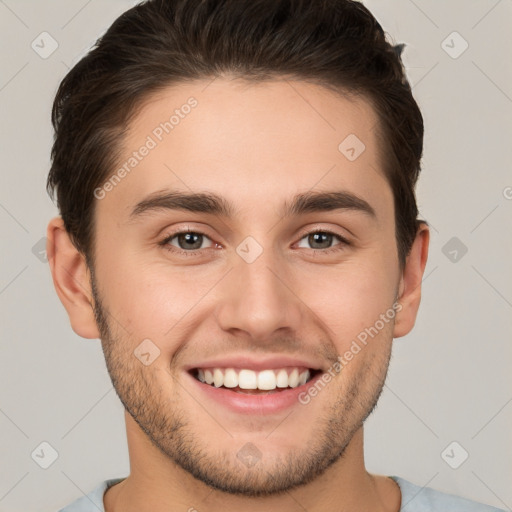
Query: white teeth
{"type": "Point", "coordinates": [282, 379]}
{"type": "Point", "coordinates": [247, 379]}
{"type": "Point", "coordinates": [208, 377]}
{"type": "Point", "coordinates": [266, 380]}
{"type": "Point", "coordinates": [230, 378]}
{"type": "Point", "coordinates": [218, 378]}
{"type": "Point", "coordinates": [293, 379]}
{"type": "Point", "coordinates": [303, 377]}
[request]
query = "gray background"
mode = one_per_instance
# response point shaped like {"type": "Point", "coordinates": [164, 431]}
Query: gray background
{"type": "Point", "coordinates": [449, 379]}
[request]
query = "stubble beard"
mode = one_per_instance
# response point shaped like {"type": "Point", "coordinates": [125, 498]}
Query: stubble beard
{"type": "Point", "coordinates": [165, 422]}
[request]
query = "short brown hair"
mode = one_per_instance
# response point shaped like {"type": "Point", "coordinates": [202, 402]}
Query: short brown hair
{"type": "Point", "coordinates": [334, 43]}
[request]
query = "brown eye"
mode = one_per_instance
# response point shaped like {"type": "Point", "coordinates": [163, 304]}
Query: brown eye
{"type": "Point", "coordinates": [187, 241]}
{"type": "Point", "coordinates": [322, 240]}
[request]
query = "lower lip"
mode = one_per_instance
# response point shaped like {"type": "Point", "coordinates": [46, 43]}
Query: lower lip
{"type": "Point", "coordinates": [254, 404]}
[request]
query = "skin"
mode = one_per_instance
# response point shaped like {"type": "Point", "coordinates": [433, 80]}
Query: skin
{"type": "Point", "coordinates": [256, 145]}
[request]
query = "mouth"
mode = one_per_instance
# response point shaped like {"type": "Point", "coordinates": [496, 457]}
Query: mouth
{"type": "Point", "coordinates": [244, 385]}
{"type": "Point", "coordinates": [250, 382]}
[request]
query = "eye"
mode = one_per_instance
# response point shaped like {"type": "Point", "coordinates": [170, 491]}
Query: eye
{"type": "Point", "coordinates": [323, 241]}
{"type": "Point", "coordinates": [191, 243]}
{"type": "Point", "coordinates": [187, 241]}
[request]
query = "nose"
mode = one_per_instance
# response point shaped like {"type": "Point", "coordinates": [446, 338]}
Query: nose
{"type": "Point", "coordinates": [258, 299]}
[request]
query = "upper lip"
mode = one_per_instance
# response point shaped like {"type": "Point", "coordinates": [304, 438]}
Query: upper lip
{"type": "Point", "coordinates": [250, 363]}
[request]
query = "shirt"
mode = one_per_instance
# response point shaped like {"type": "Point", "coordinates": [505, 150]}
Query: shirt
{"type": "Point", "coordinates": [414, 499]}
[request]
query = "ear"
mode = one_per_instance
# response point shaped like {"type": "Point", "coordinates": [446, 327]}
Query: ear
{"type": "Point", "coordinates": [409, 295]}
{"type": "Point", "coordinates": [71, 279]}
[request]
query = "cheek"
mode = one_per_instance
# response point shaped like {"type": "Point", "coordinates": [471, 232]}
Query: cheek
{"type": "Point", "coordinates": [150, 299]}
{"type": "Point", "coordinates": [350, 298]}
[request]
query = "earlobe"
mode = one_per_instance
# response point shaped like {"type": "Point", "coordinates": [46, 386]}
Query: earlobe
{"type": "Point", "coordinates": [409, 295]}
{"type": "Point", "coordinates": [71, 279]}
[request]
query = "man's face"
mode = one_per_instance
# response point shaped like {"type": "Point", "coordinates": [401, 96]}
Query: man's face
{"type": "Point", "coordinates": [295, 294]}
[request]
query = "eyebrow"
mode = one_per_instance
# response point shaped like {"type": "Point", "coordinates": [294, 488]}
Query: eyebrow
{"type": "Point", "coordinates": [214, 204]}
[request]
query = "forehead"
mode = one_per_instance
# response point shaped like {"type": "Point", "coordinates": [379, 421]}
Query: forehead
{"type": "Point", "coordinates": [253, 143]}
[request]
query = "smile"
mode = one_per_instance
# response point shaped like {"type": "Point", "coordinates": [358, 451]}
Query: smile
{"type": "Point", "coordinates": [252, 382]}
{"type": "Point", "coordinates": [252, 392]}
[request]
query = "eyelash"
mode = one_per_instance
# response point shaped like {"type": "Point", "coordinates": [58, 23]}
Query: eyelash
{"type": "Point", "coordinates": [196, 252]}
